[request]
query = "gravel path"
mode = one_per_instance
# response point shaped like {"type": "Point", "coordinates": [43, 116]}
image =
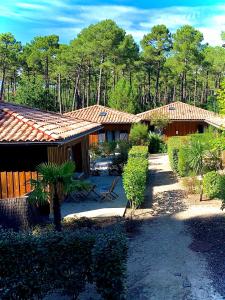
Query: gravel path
{"type": "Point", "coordinates": [161, 266]}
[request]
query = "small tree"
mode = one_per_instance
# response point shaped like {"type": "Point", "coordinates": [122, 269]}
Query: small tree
{"type": "Point", "coordinates": [196, 159]}
{"type": "Point", "coordinates": [52, 178]}
{"type": "Point", "coordinates": [139, 134]}
{"type": "Point", "coordinates": [159, 120]}
{"type": "Point", "coordinates": [123, 97]}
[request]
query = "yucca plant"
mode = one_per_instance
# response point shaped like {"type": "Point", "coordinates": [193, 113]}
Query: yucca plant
{"type": "Point", "coordinates": [52, 179]}
{"type": "Point", "coordinates": [197, 155]}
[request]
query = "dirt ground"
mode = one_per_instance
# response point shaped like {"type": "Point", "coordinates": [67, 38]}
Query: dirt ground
{"type": "Point", "coordinates": [169, 257]}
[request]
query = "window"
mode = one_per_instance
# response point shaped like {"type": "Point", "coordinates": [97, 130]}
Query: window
{"type": "Point", "coordinates": [101, 136]}
{"type": "Point", "coordinates": [123, 135]}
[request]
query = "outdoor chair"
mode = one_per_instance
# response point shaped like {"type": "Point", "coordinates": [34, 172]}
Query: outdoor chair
{"type": "Point", "coordinates": [85, 193]}
{"type": "Point", "coordinates": [108, 193]}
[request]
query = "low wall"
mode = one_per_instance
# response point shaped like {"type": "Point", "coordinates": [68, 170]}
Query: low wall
{"type": "Point", "coordinates": [17, 213]}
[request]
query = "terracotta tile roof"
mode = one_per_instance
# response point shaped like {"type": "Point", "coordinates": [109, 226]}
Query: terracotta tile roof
{"type": "Point", "coordinates": [216, 121]}
{"type": "Point", "coordinates": [19, 123]}
{"type": "Point", "coordinates": [178, 111]}
{"type": "Point", "coordinates": [103, 115]}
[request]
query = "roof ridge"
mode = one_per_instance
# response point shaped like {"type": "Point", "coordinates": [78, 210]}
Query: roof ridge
{"type": "Point", "coordinates": [29, 107]}
{"type": "Point", "coordinates": [103, 107]}
{"type": "Point", "coordinates": [172, 103]}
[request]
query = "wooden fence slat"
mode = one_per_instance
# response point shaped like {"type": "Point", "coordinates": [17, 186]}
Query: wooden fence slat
{"type": "Point", "coordinates": [22, 183]}
{"type": "Point", "coordinates": [27, 181]}
{"type": "Point", "coordinates": [10, 192]}
{"type": "Point", "coordinates": [4, 184]}
{"type": "Point", "coordinates": [16, 184]}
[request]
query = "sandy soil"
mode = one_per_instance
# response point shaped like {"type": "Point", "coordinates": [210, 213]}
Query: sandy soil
{"type": "Point", "coordinates": [161, 264]}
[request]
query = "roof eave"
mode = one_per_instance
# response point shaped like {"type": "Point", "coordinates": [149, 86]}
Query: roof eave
{"type": "Point", "coordinates": [57, 142]}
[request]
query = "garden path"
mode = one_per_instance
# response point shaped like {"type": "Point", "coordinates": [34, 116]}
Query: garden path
{"type": "Point", "coordinates": [161, 265]}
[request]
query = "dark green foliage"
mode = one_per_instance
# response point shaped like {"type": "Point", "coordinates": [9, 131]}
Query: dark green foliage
{"type": "Point", "coordinates": [183, 164]}
{"type": "Point", "coordinates": [139, 134]}
{"type": "Point", "coordinates": [135, 176]}
{"type": "Point", "coordinates": [174, 144]}
{"type": "Point", "coordinates": [109, 271]}
{"type": "Point", "coordinates": [32, 266]}
{"type": "Point", "coordinates": [32, 92]}
{"type": "Point", "coordinates": [214, 185]}
{"type": "Point", "coordinates": [123, 97]}
{"type": "Point", "coordinates": [156, 143]}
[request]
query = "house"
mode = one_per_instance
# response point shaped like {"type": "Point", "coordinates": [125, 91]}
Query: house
{"type": "Point", "coordinates": [30, 136]}
{"type": "Point", "coordinates": [116, 124]}
{"type": "Point", "coordinates": [183, 118]}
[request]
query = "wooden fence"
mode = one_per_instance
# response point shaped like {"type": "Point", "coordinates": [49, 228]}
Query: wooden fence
{"type": "Point", "coordinates": [15, 184]}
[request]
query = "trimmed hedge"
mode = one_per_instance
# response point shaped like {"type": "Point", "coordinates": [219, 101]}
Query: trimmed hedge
{"type": "Point", "coordinates": [173, 146]}
{"type": "Point", "coordinates": [33, 266]}
{"type": "Point", "coordinates": [138, 151]}
{"type": "Point", "coordinates": [183, 167]}
{"type": "Point", "coordinates": [214, 185]}
{"type": "Point", "coordinates": [135, 176]}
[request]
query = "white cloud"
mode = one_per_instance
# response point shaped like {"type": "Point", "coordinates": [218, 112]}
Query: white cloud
{"type": "Point", "coordinates": [30, 6]}
{"type": "Point", "coordinates": [61, 16]}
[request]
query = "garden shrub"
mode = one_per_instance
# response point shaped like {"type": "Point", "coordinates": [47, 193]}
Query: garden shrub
{"type": "Point", "coordinates": [139, 134]}
{"type": "Point", "coordinates": [183, 166]}
{"type": "Point", "coordinates": [32, 266]}
{"type": "Point", "coordinates": [214, 185]}
{"type": "Point", "coordinates": [173, 147]}
{"type": "Point", "coordinates": [135, 176]}
{"type": "Point", "coordinates": [138, 152]}
{"type": "Point", "coordinates": [156, 143]}
{"type": "Point", "coordinates": [109, 271]}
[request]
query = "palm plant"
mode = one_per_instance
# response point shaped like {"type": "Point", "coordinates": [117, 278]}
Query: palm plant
{"type": "Point", "coordinates": [52, 180]}
{"type": "Point", "coordinates": [196, 155]}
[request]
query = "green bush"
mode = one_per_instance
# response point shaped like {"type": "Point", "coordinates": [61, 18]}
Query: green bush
{"type": "Point", "coordinates": [156, 143]}
{"type": "Point", "coordinates": [109, 272]}
{"type": "Point", "coordinates": [214, 185]}
{"type": "Point", "coordinates": [183, 166]}
{"type": "Point", "coordinates": [174, 145]}
{"type": "Point", "coordinates": [138, 151]}
{"type": "Point", "coordinates": [33, 266]}
{"type": "Point", "coordinates": [139, 134]}
{"type": "Point", "coordinates": [135, 177]}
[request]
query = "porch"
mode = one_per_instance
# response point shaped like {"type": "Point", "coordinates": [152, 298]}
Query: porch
{"type": "Point", "coordinates": [93, 207]}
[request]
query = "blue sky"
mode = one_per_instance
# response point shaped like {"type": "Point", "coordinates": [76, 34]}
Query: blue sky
{"type": "Point", "coordinates": [27, 18]}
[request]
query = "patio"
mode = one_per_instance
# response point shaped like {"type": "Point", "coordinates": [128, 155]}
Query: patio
{"type": "Point", "coordinates": [93, 207]}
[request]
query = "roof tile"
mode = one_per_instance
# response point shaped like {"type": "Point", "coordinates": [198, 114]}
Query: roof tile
{"type": "Point", "coordinates": [104, 115]}
{"type": "Point", "coordinates": [178, 111]}
{"type": "Point", "coordinates": [21, 123]}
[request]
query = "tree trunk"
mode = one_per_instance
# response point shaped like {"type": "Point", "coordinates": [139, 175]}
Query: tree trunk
{"type": "Point", "coordinates": [56, 210]}
{"type": "Point", "coordinates": [174, 92]}
{"type": "Point", "coordinates": [14, 83]}
{"type": "Point", "coordinates": [100, 81]}
{"type": "Point", "coordinates": [195, 88]}
{"type": "Point", "coordinates": [46, 76]}
{"type": "Point", "coordinates": [157, 82]}
{"type": "Point", "coordinates": [2, 85]}
{"type": "Point", "coordinates": [75, 89]}
{"type": "Point", "coordinates": [149, 85]}
{"type": "Point", "coordinates": [59, 93]}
